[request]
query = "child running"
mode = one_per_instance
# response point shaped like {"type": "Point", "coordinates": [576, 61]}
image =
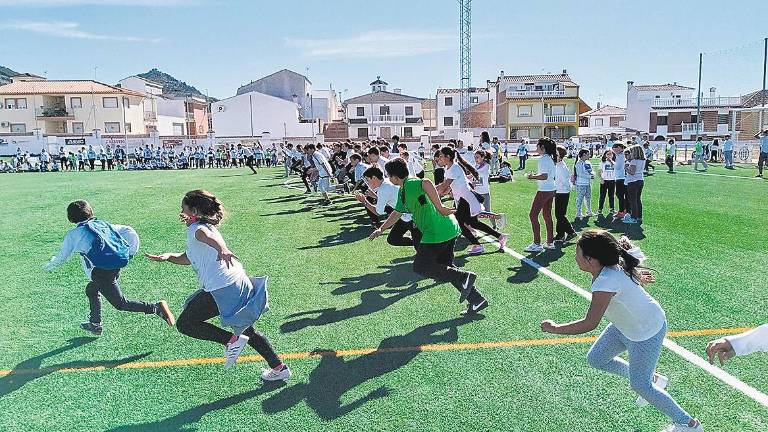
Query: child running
{"type": "Point", "coordinates": [439, 229]}
{"type": "Point", "coordinates": [638, 323]}
{"type": "Point", "coordinates": [104, 249]}
{"type": "Point", "coordinates": [226, 290]}
{"type": "Point", "coordinates": [468, 206]}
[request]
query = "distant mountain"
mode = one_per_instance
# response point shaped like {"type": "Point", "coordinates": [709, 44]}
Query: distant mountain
{"type": "Point", "coordinates": [171, 85]}
{"type": "Point", "coordinates": [6, 74]}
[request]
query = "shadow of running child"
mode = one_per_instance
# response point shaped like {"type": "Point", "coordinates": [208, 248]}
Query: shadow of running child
{"type": "Point", "coordinates": [30, 369]}
{"type": "Point", "coordinates": [334, 376]}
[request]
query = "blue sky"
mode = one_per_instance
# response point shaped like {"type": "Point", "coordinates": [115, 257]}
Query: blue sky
{"type": "Point", "coordinates": [413, 45]}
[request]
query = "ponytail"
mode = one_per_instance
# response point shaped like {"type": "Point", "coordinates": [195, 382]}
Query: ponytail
{"type": "Point", "coordinates": [603, 246]}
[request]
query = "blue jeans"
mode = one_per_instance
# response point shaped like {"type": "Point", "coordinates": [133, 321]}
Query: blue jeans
{"type": "Point", "coordinates": [728, 158]}
{"type": "Point", "coordinates": [643, 357]}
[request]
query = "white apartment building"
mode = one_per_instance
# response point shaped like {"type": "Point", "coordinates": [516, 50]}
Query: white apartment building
{"type": "Point", "coordinates": [256, 114]}
{"type": "Point", "coordinates": [449, 104]}
{"type": "Point", "coordinates": [604, 119]}
{"type": "Point", "coordinates": [63, 107]}
{"type": "Point", "coordinates": [382, 114]}
{"type": "Point", "coordinates": [325, 106]}
{"type": "Point", "coordinates": [670, 110]}
{"type": "Point", "coordinates": [163, 115]}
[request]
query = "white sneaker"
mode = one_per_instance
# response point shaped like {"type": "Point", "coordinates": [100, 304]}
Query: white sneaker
{"type": "Point", "coordinates": [502, 222]}
{"type": "Point", "coordinates": [549, 246]}
{"type": "Point", "coordinates": [661, 381]}
{"type": "Point", "coordinates": [275, 375]}
{"type": "Point", "coordinates": [533, 248]}
{"type": "Point", "coordinates": [232, 350]}
{"type": "Point", "coordinates": [684, 428]}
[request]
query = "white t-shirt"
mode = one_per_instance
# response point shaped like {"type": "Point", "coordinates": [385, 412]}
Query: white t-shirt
{"type": "Point", "coordinates": [547, 166]}
{"type": "Point", "coordinates": [639, 165]}
{"type": "Point", "coordinates": [460, 188]}
{"type": "Point", "coordinates": [321, 164]}
{"type": "Point", "coordinates": [386, 195]}
{"type": "Point", "coordinates": [583, 173]}
{"type": "Point", "coordinates": [211, 273]}
{"type": "Point", "coordinates": [562, 178]}
{"type": "Point", "coordinates": [755, 340]}
{"type": "Point", "coordinates": [484, 172]}
{"type": "Point", "coordinates": [621, 174]}
{"type": "Point", "coordinates": [636, 314]}
{"type": "Point", "coordinates": [606, 171]}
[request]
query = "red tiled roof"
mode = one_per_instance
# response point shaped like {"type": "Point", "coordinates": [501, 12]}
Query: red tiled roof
{"type": "Point", "coordinates": [455, 90]}
{"type": "Point", "coordinates": [564, 78]}
{"type": "Point", "coordinates": [753, 99]}
{"type": "Point", "coordinates": [606, 110]}
{"type": "Point", "coordinates": [64, 87]}
{"type": "Point", "coordinates": [429, 104]}
{"type": "Point", "coordinates": [382, 96]}
{"type": "Point", "coordinates": [661, 87]}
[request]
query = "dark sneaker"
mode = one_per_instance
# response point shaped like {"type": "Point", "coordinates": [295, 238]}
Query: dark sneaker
{"type": "Point", "coordinates": [467, 286]}
{"type": "Point", "coordinates": [163, 311]}
{"type": "Point", "coordinates": [95, 329]}
{"type": "Point", "coordinates": [570, 237]}
{"type": "Point", "coordinates": [475, 308]}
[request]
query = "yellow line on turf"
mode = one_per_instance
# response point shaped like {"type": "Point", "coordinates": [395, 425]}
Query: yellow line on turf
{"type": "Point", "coordinates": [365, 351]}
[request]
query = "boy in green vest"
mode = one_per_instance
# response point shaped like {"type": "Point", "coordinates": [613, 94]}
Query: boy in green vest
{"type": "Point", "coordinates": [434, 254]}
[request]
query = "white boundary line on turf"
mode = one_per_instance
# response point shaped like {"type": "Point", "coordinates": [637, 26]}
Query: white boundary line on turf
{"type": "Point", "coordinates": [692, 358]}
{"type": "Point", "coordinates": [718, 175]}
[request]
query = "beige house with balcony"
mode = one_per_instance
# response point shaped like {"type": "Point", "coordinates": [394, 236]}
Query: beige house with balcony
{"type": "Point", "coordinates": [531, 106]}
{"type": "Point", "coordinates": [69, 107]}
{"type": "Point", "coordinates": [382, 114]}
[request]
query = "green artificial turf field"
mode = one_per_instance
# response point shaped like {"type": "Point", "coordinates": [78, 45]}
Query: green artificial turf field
{"type": "Point", "coordinates": [332, 290]}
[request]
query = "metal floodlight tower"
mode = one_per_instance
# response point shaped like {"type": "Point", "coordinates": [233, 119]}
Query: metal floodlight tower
{"type": "Point", "coordinates": [465, 51]}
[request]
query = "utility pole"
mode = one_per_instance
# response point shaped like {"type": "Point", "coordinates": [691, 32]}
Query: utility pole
{"type": "Point", "coordinates": [465, 53]}
{"type": "Point", "coordinates": [765, 63]}
{"type": "Point", "coordinates": [698, 99]}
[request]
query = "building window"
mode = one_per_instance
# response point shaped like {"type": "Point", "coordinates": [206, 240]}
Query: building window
{"type": "Point", "coordinates": [474, 99]}
{"type": "Point", "coordinates": [127, 128]}
{"type": "Point", "coordinates": [661, 120]}
{"type": "Point", "coordinates": [76, 102]}
{"type": "Point", "coordinates": [384, 110]}
{"type": "Point", "coordinates": [360, 111]}
{"type": "Point", "coordinates": [77, 128]}
{"type": "Point", "coordinates": [109, 102]}
{"type": "Point", "coordinates": [178, 129]}
{"type": "Point", "coordinates": [18, 128]}
{"type": "Point", "coordinates": [524, 110]}
{"type": "Point", "coordinates": [409, 110]}
{"type": "Point", "coordinates": [112, 127]}
{"type": "Point", "coordinates": [694, 118]}
{"type": "Point", "coordinates": [18, 103]}
{"type": "Point", "coordinates": [598, 122]}
{"type": "Point", "coordinates": [362, 132]}
{"type": "Point", "coordinates": [447, 121]}
{"type": "Point", "coordinates": [127, 102]}
{"type": "Point", "coordinates": [722, 119]}
{"type": "Point", "coordinates": [449, 101]}
{"type": "Point", "coordinates": [408, 132]}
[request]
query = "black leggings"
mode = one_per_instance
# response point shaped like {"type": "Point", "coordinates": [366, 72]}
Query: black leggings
{"type": "Point", "coordinates": [563, 226]}
{"type": "Point", "coordinates": [397, 236]}
{"type": "Point", "coordinates": [435, 261]}
{"type": "Point", "coordinates": [466, 220]}
{"type": "Point", "coordinates": [607, 187]}
{"type": "Point", "coordinates": [621, 195]}
{"type": "Point", "coordinates": [202, 307]}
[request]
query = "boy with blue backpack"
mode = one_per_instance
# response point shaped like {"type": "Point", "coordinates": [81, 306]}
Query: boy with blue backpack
{"type": "Point", "coordinates": [104, 249]}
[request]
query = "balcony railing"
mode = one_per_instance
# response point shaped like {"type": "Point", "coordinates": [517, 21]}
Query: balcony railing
{"type": "Point", "coordinates": [150, 115]}
{"type": "Point", "coordinates": [691, 128]}
{"type": "Point", "coordinates": [562, 118]}
{"type": "Point", "coordinates": [387, 118]}
{"type": "Point", "coordinates": [54, 112]}
{"type": "Point", "coordinates": [535, 93]}
{"type": "Point", "coordinates": [692, 102]}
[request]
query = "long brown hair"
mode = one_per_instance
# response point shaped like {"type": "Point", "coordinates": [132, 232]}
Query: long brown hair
{"type": "Point", "coordinates": [205, 206]}
{"type": "Point", "coordinates": [608, 251]}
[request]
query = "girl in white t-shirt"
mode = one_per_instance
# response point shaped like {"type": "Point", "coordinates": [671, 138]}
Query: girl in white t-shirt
{"type": "Point", "coordinates": [634, 181]}
{"type": "Point", "coordinates": [563, 229]}
{"type": "Point", "coordinates": [542, 202]}
{"type": "Point", "coordinates": [468, 207]}
{"type": "Point", "coordinates": [607, 180]}
{"type": "Point", "coordinates": [225, 289]}
{"type": "Point", "coordinates": [483, 164]}
{"type": "Point", "coordinates": [638, 323]}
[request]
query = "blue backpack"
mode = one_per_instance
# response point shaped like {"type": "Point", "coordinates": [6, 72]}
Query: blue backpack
{"type": "Point", "coordinates": [109, 249]}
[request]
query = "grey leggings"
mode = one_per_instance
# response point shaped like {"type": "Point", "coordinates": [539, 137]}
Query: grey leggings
{"type": "Point", "coordinates": [643, 357]}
